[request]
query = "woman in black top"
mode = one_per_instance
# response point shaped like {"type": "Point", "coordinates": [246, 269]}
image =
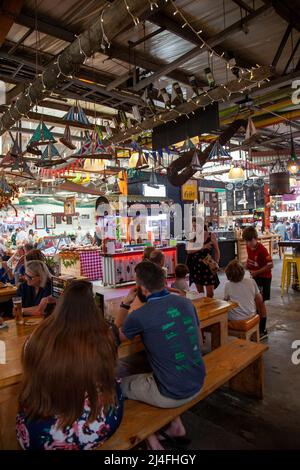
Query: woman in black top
{"type": "Point", "coordinates": [36, 289]}
{"type": "Point", "coordinates": [200, 264]}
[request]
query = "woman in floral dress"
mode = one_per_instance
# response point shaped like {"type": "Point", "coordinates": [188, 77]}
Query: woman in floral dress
{"type": "Point", "coordinates": [69, 399]}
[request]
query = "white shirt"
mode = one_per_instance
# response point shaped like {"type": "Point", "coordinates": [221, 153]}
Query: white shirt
{"type": "Point", "coordinates": [244, 294]}
{"type": "Point", "coordinates": [21, 236]}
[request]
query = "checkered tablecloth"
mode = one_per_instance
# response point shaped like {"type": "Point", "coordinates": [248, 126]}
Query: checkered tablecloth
{"type": "Point", "coordinates": [91, 265]}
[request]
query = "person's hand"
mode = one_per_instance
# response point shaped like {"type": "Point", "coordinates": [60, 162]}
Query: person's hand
{"type": "Point", "coordinates": [253, 273]}
{"type": "Point", "coordinates": [130, 296]}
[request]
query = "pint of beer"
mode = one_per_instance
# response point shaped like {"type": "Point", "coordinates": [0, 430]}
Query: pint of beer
{"type": "Point", "coordinates": [17, 310]}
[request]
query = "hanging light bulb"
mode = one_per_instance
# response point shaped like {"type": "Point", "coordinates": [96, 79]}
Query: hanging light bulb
{"type": "Point", "coordinates": [293, 163]}
{"type": "Point", "coordinates": [236, 173]}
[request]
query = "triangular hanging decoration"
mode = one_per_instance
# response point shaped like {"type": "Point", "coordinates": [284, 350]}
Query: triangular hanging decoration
{"type": "Point", "coordinates": [67, 138]}
{"type": "Point", "coordinates": [15, 150]}
{"type": "Point", "coordinates": [218, 153]}
{"type": "Point", "coordinates": [188, 145]}
{"type": "Point", "coordinates": [50, 152]}
{"type": "Point", "coordinates": [86, 148]}
{"type": "Point", "coordinates": [252, 134]}
{"type": "Point", "coordinates": [41, 136]}
{"type": "Point", "coordinates": [25, 169]}
{"type": "Point", "coordinates": [153, 180]}
{"type": "Point", "coordinates": [142, 162]}
{"type": "Point", "coordinates": [16, 165]}
{"type": "Point", "coordinates": [195, 163]}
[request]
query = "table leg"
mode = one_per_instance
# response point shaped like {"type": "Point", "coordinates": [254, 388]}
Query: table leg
{"type": "Point", "coordinates": [250, 380]}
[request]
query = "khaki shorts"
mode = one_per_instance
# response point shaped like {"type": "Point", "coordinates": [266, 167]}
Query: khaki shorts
{"type": "Point", "coordinates": [143, 387]}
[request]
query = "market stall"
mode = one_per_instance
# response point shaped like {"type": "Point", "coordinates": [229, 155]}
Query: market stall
{"type": "Point", "coordinates": [82, 261]}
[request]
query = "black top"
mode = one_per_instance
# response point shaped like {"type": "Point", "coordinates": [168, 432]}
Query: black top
{"type": "Point", "coordinates": [29, 296]}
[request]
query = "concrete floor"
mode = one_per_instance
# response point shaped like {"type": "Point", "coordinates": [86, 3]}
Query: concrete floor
{"type": "Point", "coordinates": [228, 420]}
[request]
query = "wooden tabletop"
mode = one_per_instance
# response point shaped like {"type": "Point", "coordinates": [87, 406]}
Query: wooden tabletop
{"type": "Point", "coordinates": [16, 335]}
{"type": "Point", "coordinates": [208, 308]}
{"type": "Point", "coordinates": [9, 290]}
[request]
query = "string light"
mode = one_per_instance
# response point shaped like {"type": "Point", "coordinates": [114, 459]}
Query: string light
{"type": "Point", "coordinates": [104, 36]}
{"type": "Point", "coordinates": [81, 51]}
{"type": "Point", "coordinates": [135, 19]}
{"type": "Point", "coordinates": [204, 43]}
{"type": "Point", "coordinates": [59, 69]}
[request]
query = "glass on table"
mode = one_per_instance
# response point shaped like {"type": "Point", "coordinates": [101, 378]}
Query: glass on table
{"type": "Point", "coordinates": [17, 310]}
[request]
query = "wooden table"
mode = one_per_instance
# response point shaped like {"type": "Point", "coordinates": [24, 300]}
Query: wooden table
{"type": "Point", "coordinates": [6, 293]}
{"type": "Point", "coordinates": [213, 317]}
{"type": "Point", "coordinates": [211, 312]}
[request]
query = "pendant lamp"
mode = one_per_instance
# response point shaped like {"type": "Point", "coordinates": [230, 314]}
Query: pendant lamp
{"type": "Point", "coordinates": [236, 173]}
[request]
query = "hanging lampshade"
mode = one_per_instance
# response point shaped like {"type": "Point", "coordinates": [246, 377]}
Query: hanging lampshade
{"type": "Point", "coordinates": [236, 173]}
{"type": "Point", "coordinates": [94, 165]}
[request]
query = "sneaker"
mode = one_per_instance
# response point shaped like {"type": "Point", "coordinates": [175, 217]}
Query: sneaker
{"type": "Point", "coordinates": [263, 335]}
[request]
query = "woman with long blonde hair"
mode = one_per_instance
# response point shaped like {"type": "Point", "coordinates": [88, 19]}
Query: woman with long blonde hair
{"type": "Point", "coordinates": [69, 397]}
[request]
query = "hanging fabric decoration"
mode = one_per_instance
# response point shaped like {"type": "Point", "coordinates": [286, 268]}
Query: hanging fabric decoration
{"type": "Point", "coordinates": [123, 119]}
{"type": "Point", "coordinates": [188, 145]}
{"type": "Point", "coordinates": [76, 114]}
{"type": "Point", "coordinates": [195, 163]}
{"type": "Point", "coordinates": [41, 136]}
{"type": "Point", "coordinates": [165, 96]}
{"type": "Point", "coordinates": [153, 180]}
{"type": "Point", "coordinates": [252, 134]}
{"type": "Point", "coordinates": [218, 153]}
{"type": "Point", "coordinates": [177, 95]}
{"type": "Point", "coordinates": [142, 162]}
{"type": "Point", "coordinates": [67, 138]}
{"type": "Point", "coordinates": [136, 113]}
{"type": "Point", "coordinates": [86, 148]}
{"type": "Point", "coordinates": [50, 152]}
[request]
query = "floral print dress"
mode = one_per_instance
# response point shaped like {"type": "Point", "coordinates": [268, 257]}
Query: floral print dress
{"type": "Point", "coordinates": [44, 434]}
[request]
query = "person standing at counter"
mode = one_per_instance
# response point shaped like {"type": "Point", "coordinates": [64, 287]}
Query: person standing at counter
{"type": "Point", "coordinates": [200, 261]}
{"type": "Point", "coordinates": [260, 265]}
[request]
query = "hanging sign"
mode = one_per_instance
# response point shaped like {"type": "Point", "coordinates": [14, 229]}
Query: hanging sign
{"type": "Point", "coordinates": [189, 191]}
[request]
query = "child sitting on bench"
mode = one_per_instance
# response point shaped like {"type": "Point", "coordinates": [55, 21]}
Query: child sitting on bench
{"type": "Point", "coordinates": [243, 291]}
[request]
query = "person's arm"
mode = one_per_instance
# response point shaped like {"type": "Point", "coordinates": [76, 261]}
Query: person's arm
{"type": "Point", "coordinates": [216, 247]}
{"type": "Point", "coordinates": [123, 311]}
{"type": "Point", "coordinates": [226, 294]}
{"type": "Point", "coordinates": [8, 271]}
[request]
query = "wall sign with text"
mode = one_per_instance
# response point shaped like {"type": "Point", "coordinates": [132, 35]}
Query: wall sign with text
{"type": "Point", "coordinates": [189, 191]}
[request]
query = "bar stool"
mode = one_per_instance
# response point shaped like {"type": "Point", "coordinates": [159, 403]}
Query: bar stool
{"type": "Point", "coordinates": [245, 329]}
{"type": "Point", "coordinates": [288, 260]}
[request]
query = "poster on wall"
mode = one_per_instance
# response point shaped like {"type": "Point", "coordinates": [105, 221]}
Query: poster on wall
{"type": "Point", "coordinates": [40, 221]}
{"type": "Point", "coordinates": [70, 205]}
{"type": "Point", "coordinates": [189, 191]}
{"type": "Point", "coordinates": [50, 221]}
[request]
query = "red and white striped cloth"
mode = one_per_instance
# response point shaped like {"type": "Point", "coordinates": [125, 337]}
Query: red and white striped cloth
{"type": "Point", "coordinates": [91, 265]}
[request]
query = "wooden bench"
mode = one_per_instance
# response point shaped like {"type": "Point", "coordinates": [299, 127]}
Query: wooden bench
{"type": "Point", "coordinates": [238, 362]}
{"type": "Point", "coordinates": [245, 329]}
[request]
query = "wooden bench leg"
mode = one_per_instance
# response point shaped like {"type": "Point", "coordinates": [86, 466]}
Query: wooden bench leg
{"type": "Point", "coordinates": [250, 380]}
{"type": "Point", "coordinates": [215, 331]}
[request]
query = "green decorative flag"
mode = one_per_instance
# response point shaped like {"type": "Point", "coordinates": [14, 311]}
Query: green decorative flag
{"type": "Point", "coordinates": [41, 135]}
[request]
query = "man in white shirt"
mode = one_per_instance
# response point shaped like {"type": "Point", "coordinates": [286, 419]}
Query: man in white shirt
{"type": "Point", "coordinates": [21, 237]}
{"type": "Point", "coordinates": [243, 291]}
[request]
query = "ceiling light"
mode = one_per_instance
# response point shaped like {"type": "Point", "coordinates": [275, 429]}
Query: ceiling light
{"type": "Point", "coordinates": [236, 173]}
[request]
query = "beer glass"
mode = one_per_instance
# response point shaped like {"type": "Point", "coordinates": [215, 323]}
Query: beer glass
{"type": "Point", "coordinates": [17, 310]}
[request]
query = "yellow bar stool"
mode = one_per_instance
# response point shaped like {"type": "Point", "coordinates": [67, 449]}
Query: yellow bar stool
{"type": "Point", "coordinates": [286, 274]}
